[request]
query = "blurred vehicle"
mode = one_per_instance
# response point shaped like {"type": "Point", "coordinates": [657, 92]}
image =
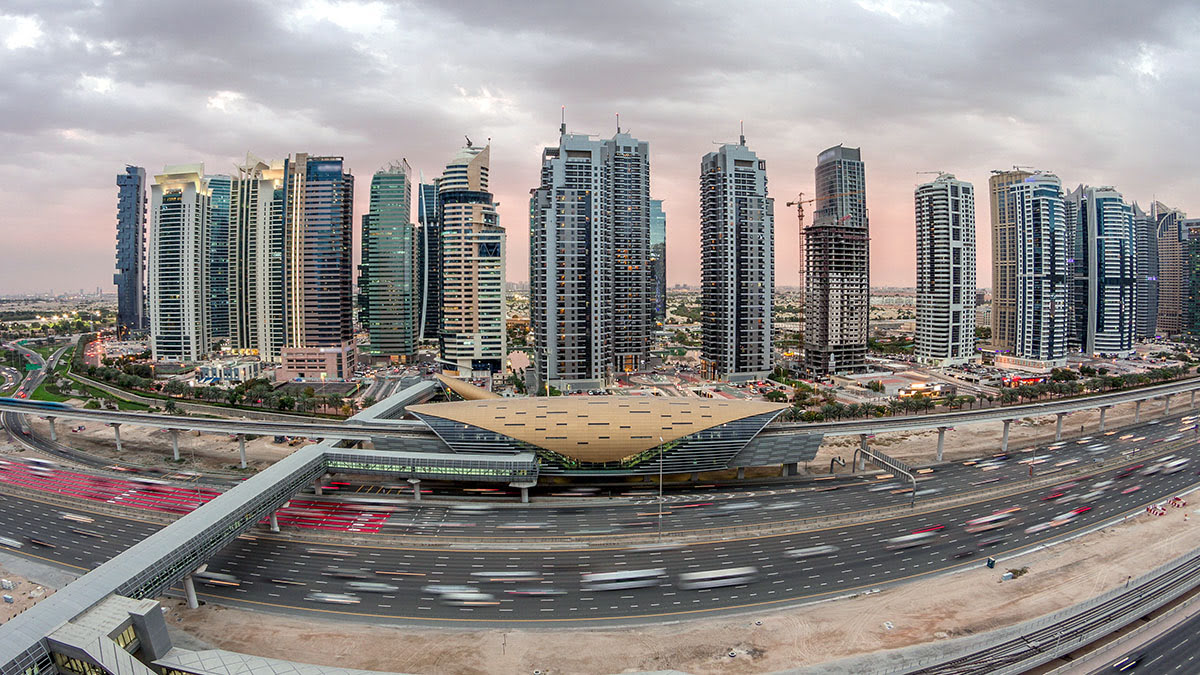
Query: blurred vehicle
{"type": "Point", "coordinates": [371, 587]}
{"type": "Point", "coordinates": [908, 540]}
{"type": "Point", "coordinates": [735, 576]}
{"type": "Point", "coordinates": [344, 573]}
{"type": "Point", "coordinates": [217, 578]}
{"type": "Point", "coordinates": [471, 599]}
{"type": "Point", "coordinates": [507, 576]}
{"type": "Point", "coordinates": [625, 579]}
{"type": "Point", "coordinates": [10, 542]}
{"type": "Point", "coordinates": [535, 592]}
{"type": "Point", "coordinates": [333, 598]}
{"type": "Point", "coordinates": [824, 549]}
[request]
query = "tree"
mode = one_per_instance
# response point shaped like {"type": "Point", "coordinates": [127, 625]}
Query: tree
{"type": "Point", "coordinates": [776, 396]}
{"type": "Point", "coordinates": [369, 401]}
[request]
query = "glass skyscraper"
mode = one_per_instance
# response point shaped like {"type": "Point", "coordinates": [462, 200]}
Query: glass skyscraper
{"type": "Point", "coordinates": [1102, 312]}
{"type": "Point", "coordinates": [1042, 268]}
{"type": "Point", "coordinates": [131, 250]}
{"type": "Point", "coordinates": [429, 215]}
{"type": "Point", "coordinates": [387, 282]}
{"type": "Point", "coordinates": [658, 259]}
{"type": "Point", "coordinates": [217, 263]}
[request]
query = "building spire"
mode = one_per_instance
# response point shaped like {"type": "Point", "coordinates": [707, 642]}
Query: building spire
{"type": "Point", "coordinates": [618, 123]}
{"type": "Point", "coordinates": [742, 133]}
{"type": "Point", "coordinates": [562, 129]}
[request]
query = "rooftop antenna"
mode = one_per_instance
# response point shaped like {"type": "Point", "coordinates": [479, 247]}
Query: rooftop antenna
{"type": "Point", "coordinates": [618, 123]}
{"type": "Point", "coordinates": [468, 140]}
{"type": "Point", "coordinates": [563, 128]}
{"type": "Point", "coordinates": [741, 132]}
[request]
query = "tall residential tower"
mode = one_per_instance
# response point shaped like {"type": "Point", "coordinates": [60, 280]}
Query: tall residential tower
{"type": "Point", "coordinates": [837, 269]}
{"type": "Point", "coordinates": [945, 219]}
{"type": "Point", "coordinates": [737, 264]}
{"type": "Point", "coordinates": [178, 251]}
{"type": "Point", "coordinates": [1004, 258]}
{"type": "Point", "coordinates": [1102, 312]}
{"type": "Point", "coordinates": [1041, 275]}
{"type": "Point", "coordinates": [387, 283]}
{"type": "Point", "coordinates": [130, 276]}
{"type": "Point", "coordinates": [256, 297]}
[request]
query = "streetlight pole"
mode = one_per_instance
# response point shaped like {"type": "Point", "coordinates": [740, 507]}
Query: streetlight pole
{"type": "Point", "coordinates": [660, 486]}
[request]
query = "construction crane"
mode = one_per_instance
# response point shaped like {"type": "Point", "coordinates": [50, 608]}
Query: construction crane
{"type": "Point", "coordinates": [799, 204]}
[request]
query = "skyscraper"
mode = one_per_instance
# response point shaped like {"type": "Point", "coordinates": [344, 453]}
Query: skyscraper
{"type": "Point", "coordinates": [1146, 263]}
{"type": "Point", "coordinates": [591, 303]}
{"type": "Point", "coordinates": [473, 328]}
{"type": "Point", "coordinates": [1102, 314]}
{"type": "Point", "coordinates": [216, 265]}
{"type": "Point", "coordinates": [256, 300]}
{"type": "Point", "coordinates": [1004, 259]}
{"type": "Point", "coordinates": [131, 250]}
{"type": "Point", "coordinates": [837, 270]}
{"type": "Point", "coordinates": [658, 259]}
{"type": "Point", "coordinates": [318, 265]}
{"type": "Point", "coordinates": [1172, 278]}
{"type": "Point", "coordinates": [388, 302]}
{"type": "Point", "coordinates": [737, 264]}
{"type": "Point", "coordinates": [1191, 247]}
{"type": "Point", "coordinates": [945, 220]}
{"type": "Point", "coordinates": [178, 297]}
{"type": "Point", "coordinates": [429, 213]}
{"type": "Point", "coordinates": [1042, 268]}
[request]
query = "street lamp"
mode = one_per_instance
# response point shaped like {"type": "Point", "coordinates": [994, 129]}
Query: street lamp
{"type": "Point", "coordinates": [660, 486]}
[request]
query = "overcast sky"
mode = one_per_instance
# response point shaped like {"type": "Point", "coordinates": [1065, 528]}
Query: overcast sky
{"type": "Point", "coordinates": [1104, 93]}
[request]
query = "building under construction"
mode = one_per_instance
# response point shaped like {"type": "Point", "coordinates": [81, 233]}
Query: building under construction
{"type": "Point", "coordinates": [837, 272]}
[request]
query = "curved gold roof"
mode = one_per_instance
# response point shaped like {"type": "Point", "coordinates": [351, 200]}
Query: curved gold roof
{"type": "Point", "coordinates": [596, 428]}
{"type": "Point", "coordinates": [465, 389]}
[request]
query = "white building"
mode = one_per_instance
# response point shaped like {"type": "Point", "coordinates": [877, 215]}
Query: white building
{"type": "Point", "coordinates": [1103, 313]}
{"type": "Point", "coordinates": [737, 264]}
{"type": "Point", "coordinates": [945, 219]}
{"type": "Point", "coordinates": [1042, 288]}
{"type": "Point", "coordinates": [256, 298]}
{"type": "Point", "coordinates": [229, 371]}
{"type": "Point", "coordinates": [176, 278]}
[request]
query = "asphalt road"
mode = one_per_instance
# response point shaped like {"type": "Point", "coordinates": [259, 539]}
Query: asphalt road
{"type": "Point", "coordinates": [545, 585]}
{"type": "Point", "coordinates": [1174, 652]}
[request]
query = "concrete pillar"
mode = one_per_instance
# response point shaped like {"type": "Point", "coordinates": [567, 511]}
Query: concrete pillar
{"type": "Point", "coordinates": [1058, 426]}
{"type": "Point", "coordinates": [242, 449]}
{"type": "Point", "coordinates": [741, 472]}
{"type": "Point", "coordinates": [1166, 406]}
{"type": "Point", "coordinates": [941, 442]}
{"type": "Point", "coordinates": [1004, 440]}
{"type": "Point", "coordinates": [524, 495]}
{"type": "Point", "coordinates": [1193, 403]}
{"type": "Point", "coordinates": [53, 430]}
{"type": "Point", "coordinates": [782, 470]}
{"type": "Point", "coordinates": [318, 487]}
{"type": "Point", "coordinates": [189, 589]}
{"type": "Point", "coordinates": [416, 483]}
{"type": "Point", "coordinates": [274, 522]}
{"type": "Point", "coordinates": [117, 431]}
{"type": "Point", "coordinates": [862, 459]}
{"type": "Point", "coordinates": [1103, 410]}
{"type": "Point", "coordinates": [1137, 412]}
{"type": "Point", "coordinates": [175, 444]}
{"type": "Point", "coordinates": [695, 476]}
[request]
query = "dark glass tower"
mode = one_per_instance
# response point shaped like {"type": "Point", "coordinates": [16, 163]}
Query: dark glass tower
{"type": "Point", "coordinates": [131, 250]}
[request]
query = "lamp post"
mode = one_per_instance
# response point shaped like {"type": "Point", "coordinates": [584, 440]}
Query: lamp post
{"type": "Point", "coordinates": [660, 486]}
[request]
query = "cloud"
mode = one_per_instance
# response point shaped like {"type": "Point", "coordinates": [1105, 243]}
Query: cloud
{"type": "Point", "coordinates": [1099, 93]}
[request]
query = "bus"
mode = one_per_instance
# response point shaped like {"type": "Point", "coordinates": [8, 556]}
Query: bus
{"type": "Point", "coordinates": [619, 581]}
{"type": "Point", "coordinates": [909, 540]}
{"type": "Point", "coordinates": [734, 576]}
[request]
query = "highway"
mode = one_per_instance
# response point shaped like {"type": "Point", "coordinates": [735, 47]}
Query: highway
{"type": "Point", "coordinates": [692, 510]}
{"type": "Point", "coordinates": [1173, 652]}
{"type": "Point", "coordinates": [543, 585]}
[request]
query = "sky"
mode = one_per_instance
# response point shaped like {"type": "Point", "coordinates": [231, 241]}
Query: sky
{"type": "Point", "coordinates": [1099, 92]}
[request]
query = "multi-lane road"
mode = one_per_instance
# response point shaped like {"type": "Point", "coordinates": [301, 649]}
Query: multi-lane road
{"type": "Point", "coordinates": [546, 584]}
{"type": "Point", "coordinates": [1177, 651]}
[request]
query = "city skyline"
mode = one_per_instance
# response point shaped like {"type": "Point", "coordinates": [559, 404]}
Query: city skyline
{"type": "Point", "coordinates": [104, 101]}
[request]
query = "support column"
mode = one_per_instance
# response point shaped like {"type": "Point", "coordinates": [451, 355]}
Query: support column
{"type": "Point", "coordinates": [695, 476]}
{"type": "Point", "coordinates": [319, 486]}
{"type": "Point", "coordinates": [242, 450]}
{"type": "Point", "coordinates": [1058, 427]}
{"type": "Point", "coordinates": [1103, 410]}
{"type": "Point", "coordinates": [1166, 406]}
{"type": "Point", "coordinates": [741, 472]}
{"type": "Point", "coordinates": [274, 521]}
{"type": "Point", "coordinates": [524, 495]}
{"type": "Point", "coordinates": [189, 589]}
{"type": "Point", "coordinates": [862, 445]}
{"type": "Point", "coordinates": [117, 430]}
{"type": "Point", "coordinates": [175, 444]}
{"type": "Point", "coordinates": [1193, 403]}
{"type": "Point", "coordinates": [1137, 412]}
{"type": "Point", "coordinates": [53, 430]}
{"type": "Point", "coordinates": [941, 442]}
{"type": "Point", "coordinates": [1004, 440]}
{"type": "Point", "coordinates": [416, 483]}
{"type": "Point", "coordinates": [782, 470]}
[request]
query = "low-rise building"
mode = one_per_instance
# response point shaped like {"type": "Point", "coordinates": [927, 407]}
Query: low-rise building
{"type": "Point", "coordinates": [228, 371]}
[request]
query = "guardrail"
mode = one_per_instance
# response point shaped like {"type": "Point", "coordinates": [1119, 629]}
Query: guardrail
{"type": "Point", "coordinates": [1138, 632]}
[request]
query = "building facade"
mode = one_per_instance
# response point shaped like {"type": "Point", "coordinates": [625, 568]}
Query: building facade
{"type": "Point", "coordinates": [217, 254]}
{"type": "Point", "coordinates": [1005, 252]}
{"type": "Point", "coordinates": [256, 299]}
{"type": "Point", "coordinates": [1101, 310]}
{"type": "Point", "coordinates": [318, 198]}
{"type": "Point", "coordinates": [176, 278]}
{"type": "Point", "coordinates": [1172, 263]}
{"type": "Point", "coordinates": [737, 264]}
{"type": "Point", "coordinates": [473, 334]}
{"type": "Point", "coordinates": [945, 222]}
{"type": "Point", "coordinates": [388, 307]}
{"type": "Point", "coordinates": [1191, 245]}
{"type": "Point", "coordinates": [130, 276]}
{"type": "Point", "coordinates": [1042, 268]}
{"type": "Point", "coordinates": [1146, 265]}
{"type": "Point", "coordinates": [429, 214]}
{"type": "Point", "coordinates": [837, 270]}
{"type": "Point", "coordinates": [591, 298]}
{"type": "Point", "coordinates": [658, 261]}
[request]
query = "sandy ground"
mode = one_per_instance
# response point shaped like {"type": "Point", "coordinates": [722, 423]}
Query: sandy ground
{"type": "Point", "coordinates": [152, 447]}
{"type": "Point", "coordinates": [947, 606]}
{"type": "Point", "coordinates": [985, 437]}
{"type": "Point", "coordinates": [25, 593]}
